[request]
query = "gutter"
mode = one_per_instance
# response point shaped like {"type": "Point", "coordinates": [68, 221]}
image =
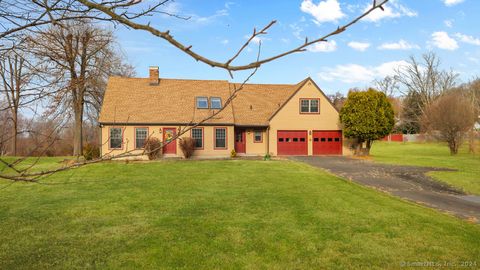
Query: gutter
{"type": "Point", "coordinates": [162, 124]}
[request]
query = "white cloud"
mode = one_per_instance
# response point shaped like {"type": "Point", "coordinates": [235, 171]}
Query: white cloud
{"type": "Point", "coordinates": [473, 59]}
{"type": "Point", "coordinates": [449, 3]}
{"type": "Point", "coordinates": [324, 11]}
{"type": "Point", "coordinates": [228, 5]}
{"type": "Point", "coordinates": [448, 23]}
{"type": "Point", "coordinates": [359, 46]}
{"type": "Point", "coordinates": [392, 9]}
{"type": "Point", "coordinates": [256, 40]}
{"type": "Point", "coordinates": [468, 39]}
{"type": "Point", "coordinates": [443, 41]}
{"type": "Point", "coordinates": [400, 45]}
{"type": "Point", "coordinates": [171, 8]}
{"type": "Point", "coordinates": [354, 73]}
{"type": "Point", "coordinates": [329, 46]}
{"type": "Point", "coordinates": [211, 18]}
{"type": "Point", "coordinates": [174, 8]}
{"type": "Point", "coordinates": [225, 41]}
{"type": "Point", "coordinates": [297, 30]}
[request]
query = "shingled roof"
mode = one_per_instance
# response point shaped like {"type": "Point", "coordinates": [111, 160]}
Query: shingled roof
{"type": "Point", "coordinates": [256, 103]}
{"type": "Point", "coordinates": [172, 101]}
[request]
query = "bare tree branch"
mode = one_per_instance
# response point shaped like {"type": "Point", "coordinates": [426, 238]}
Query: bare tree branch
{"type": "Point", "coordinates": [110, 11]}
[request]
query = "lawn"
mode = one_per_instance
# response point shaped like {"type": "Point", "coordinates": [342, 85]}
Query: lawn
{"type": "Point", "coordinates": [466, 178]}
{"type": "Point", "coordinates": [219, 214]}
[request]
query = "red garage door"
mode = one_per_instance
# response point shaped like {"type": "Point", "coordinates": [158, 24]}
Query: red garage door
{"type": "Point", "coordinates": [292, 143]}
{"type": "Point", "coordinates": [327, 142]}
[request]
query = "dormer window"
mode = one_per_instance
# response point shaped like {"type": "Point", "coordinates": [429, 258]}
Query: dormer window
{"type": "Point", "coordinates": [202, 103]}
{"type": "Point", "coordinates": [215, 103]}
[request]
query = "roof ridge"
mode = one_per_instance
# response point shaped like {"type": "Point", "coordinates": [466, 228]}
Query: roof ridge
{"type": "Point", "coordinates": [171, 79]}
{"type": "Point", "coordinates": [202, 80]}
{"type": "Point", "coordinates": [280, 84]}
{"type": "Point", "coordinates": [174, 79]}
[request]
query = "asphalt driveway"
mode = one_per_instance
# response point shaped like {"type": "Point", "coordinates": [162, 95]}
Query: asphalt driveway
{"type": "Point", "coordinates": [406, 182]}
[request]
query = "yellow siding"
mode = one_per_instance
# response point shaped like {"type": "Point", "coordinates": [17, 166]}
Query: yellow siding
{"type": "Point", "coordinates": [156, 131]}
{"type": "Point", "coordinates": [254, 148]}
{"type": "Point", "coordinates": [289, 118]}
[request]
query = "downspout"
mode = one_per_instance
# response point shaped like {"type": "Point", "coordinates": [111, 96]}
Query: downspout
{"type": "Point", "coordinates": [268, 140]}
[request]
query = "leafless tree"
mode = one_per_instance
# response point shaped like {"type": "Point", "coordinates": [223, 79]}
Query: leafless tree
{"type": "Point", "coordinates": [337, 99]}
{"type": "Point", "coordinates": [22, 15]}
{"type": "Point", "coordinates": [18, 86]}
{"type": "Point", "coordinates": [81, 58]}
{"type": "Point", "coordinates": [471, 91]}
{"type": "Point", "coordinates": [5, 131]}
{"type": "Point", "coordinates": [421, 82]}
{"type": "Point", "coordinates": [449, 118]}
{"type": "Point", "coordinates": [388, 85]}
{"type": "Point", "coordinates": [425, 78]}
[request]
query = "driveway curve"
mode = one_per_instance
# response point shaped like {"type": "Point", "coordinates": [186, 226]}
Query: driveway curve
{"type": "Point", "coordinates": [407, 182]}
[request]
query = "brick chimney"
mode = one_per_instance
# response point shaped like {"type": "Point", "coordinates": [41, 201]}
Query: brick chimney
{"type": "Point", "coordinates": [154, 75]}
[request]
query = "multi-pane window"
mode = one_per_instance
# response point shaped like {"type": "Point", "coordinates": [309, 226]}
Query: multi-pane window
{"type": "Point", "coordinates": [215, 103]}
{"type": "Point", "coordinates": [116, 138]}
{"type": "Point", "coordinates": [309, 106]}
{"type": "Point", "coordinates": [140, 137]}
{"type": "Point", "coordinates": [257, 136]}
{"type": "Point", "coordinates": [197, 135]}
{"type": "Point", "coordinates": [314, 106]}
{"type": "Point", "coordinates": [202, 103]}
{"type": "Point", "coordinates": [220, 138]}
{"type": "Point", "coordinates": [304, 105]}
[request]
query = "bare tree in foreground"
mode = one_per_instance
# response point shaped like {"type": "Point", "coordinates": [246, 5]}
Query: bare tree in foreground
{"type": "Point", "coordinates": [127, 13]}
{"type": "Point", "coordinates": [24, 15]}
{"type": "Point", "coordinates": [449, 118]}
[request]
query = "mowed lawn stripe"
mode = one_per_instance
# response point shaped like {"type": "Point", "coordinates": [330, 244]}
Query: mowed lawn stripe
{"type": "Point", "coordinates": [218, 214]}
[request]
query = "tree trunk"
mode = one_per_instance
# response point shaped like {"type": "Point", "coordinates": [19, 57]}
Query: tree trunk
{"type": "Point", "coordinates": [78, 130]}
{"type": "Point", "coordinates": [453, 145]}
{"type": "Point", "coordinates": [369, 145]}
{"type": "Point", "coordinates": [471, 136]}
{"type": "Point", "coordinates": [358, 147]}
{"type": "Point", "coordinates": [14, 134]}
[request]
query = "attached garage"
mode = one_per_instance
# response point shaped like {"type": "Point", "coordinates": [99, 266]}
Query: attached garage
{"type": "Point", "coordinates": [327, 142]}
{"type": "Point", "coordinates": [292, 142]}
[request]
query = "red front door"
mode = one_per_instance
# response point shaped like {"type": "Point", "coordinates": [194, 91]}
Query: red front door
{"type": "Point", "coordinates": [170, 145]}
{"type": "Point", "coordinates": [327, 142]}
{"type": "Point", "coordinates": [240, 144]}
{"type": "Point", "coordinates": [292, 143]}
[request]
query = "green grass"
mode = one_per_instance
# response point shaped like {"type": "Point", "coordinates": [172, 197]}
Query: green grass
{"type": "Point", "coordinates": [466, 178]}
{"type": "Point", "coordinates": [218, 214]}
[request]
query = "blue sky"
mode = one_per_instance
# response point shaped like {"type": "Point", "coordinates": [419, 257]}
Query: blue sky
{"type": "Point", "coordinates": [370, 49]}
